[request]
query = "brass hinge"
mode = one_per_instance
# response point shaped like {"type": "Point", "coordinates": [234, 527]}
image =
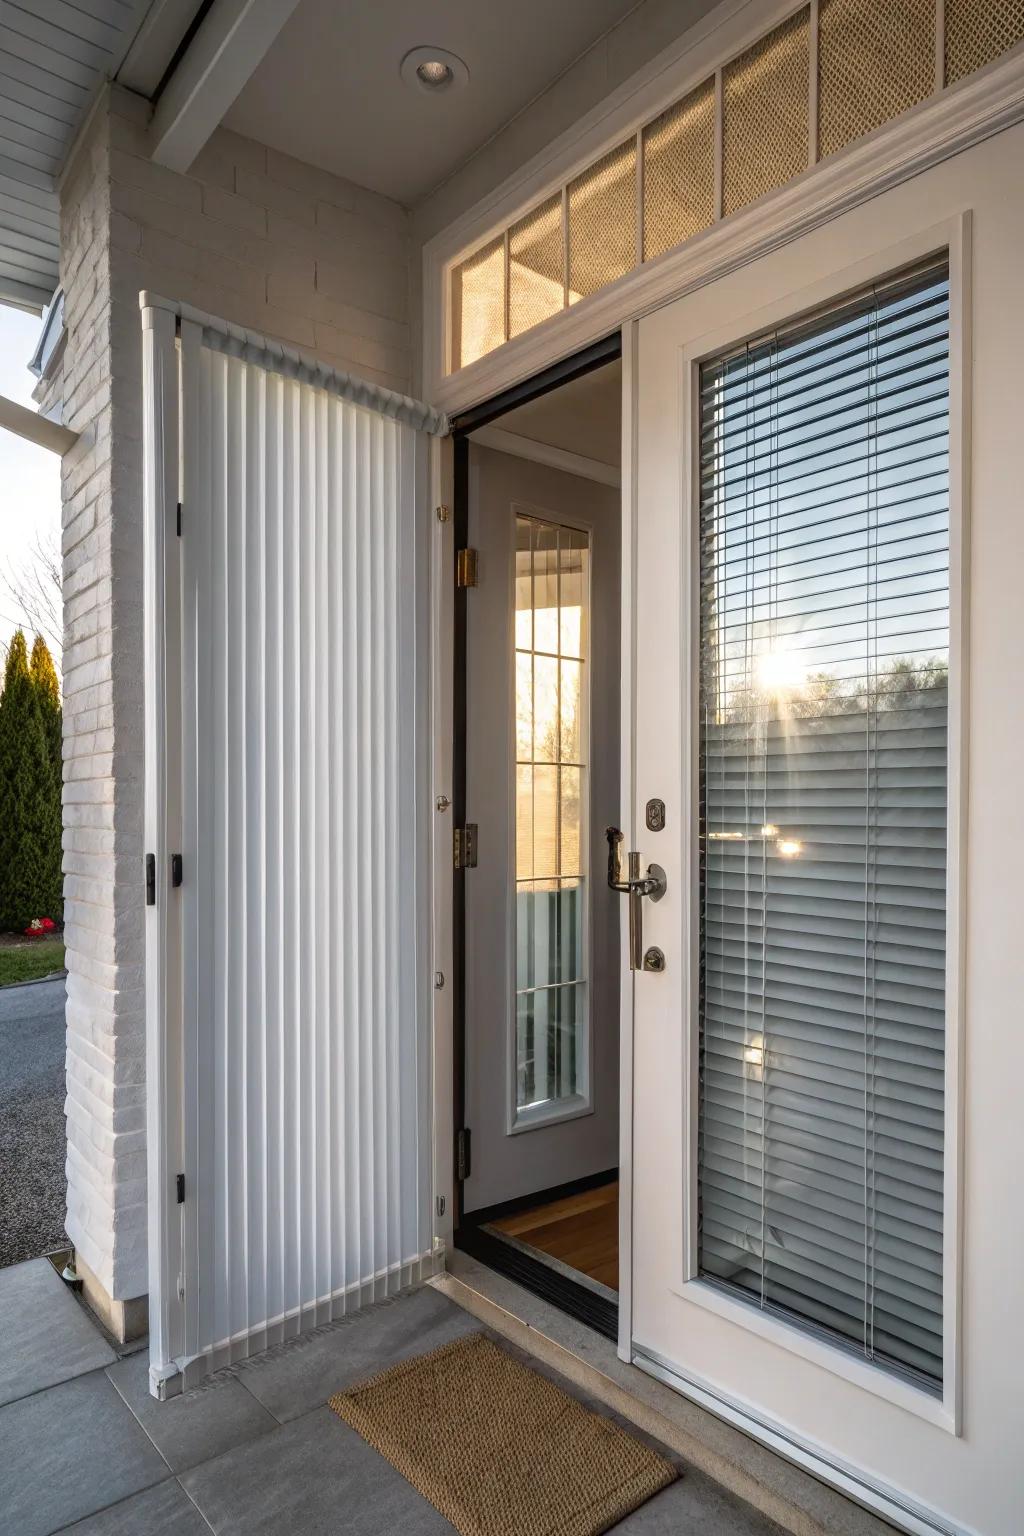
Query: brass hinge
{"type": "Point", "coordinates": [464, 846]}
{"type": "Point", "coordinates": [465, 568]}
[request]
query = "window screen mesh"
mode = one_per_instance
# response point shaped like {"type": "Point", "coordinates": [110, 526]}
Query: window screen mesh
{"type": "Point", "coordinates": [978, 31]}
{"type": "Point", "coordinates": [478, 303]}
{"type": "Point", "coordinates": [602, 222]}
{"type": "Point", "coordinates": [875, 60]}
{"type": "Point", "coordinates": [765, 114]}
{"type": "Point", "coordinates": [824, 559]}
{"type": "Point", "coordinates": [536, 275]}
{"type": "Point", "coordinates": [679, 172]}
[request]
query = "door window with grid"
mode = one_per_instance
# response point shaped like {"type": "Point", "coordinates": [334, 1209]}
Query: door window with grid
{"type": "Point", "coordinates": [551, 707]}
{"type": "Point", "coordinates": [824, 653]}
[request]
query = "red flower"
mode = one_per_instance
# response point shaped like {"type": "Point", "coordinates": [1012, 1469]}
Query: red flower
{"type": "Point", "coordinates": [39, 927]}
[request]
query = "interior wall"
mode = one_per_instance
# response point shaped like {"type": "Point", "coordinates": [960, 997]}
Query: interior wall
{"type": "Point", "coordinates": [505, 1167]}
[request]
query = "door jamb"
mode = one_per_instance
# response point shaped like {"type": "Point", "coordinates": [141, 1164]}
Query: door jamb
{"type": "Point", "coordinates": [573, 366]}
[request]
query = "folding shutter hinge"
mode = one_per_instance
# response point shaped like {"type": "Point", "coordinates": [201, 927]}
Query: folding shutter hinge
{"type": "Point", "coordinates": [177, 872]}
{"type": "Point", "coordinates": [180, 1187]}
{"type": "Point", "coordinates": [179, 519]}
{"type": "Point", "coordinates": [462, 1155]}
{"type": "Point", "coordinates": [464, 846]}
{"type": "Point", "coordinates": [465, 568]}
{"type": "Point", "coordinates": [150, 879]}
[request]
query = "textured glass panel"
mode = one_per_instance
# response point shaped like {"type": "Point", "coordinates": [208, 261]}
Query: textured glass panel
{"type": "Point", "coordinates": [571, 609]}
{"type": "Point", "coordinates": [765, 114]}
{"type": "Point", "coordinates": [679, 172]}
{"type": "Point", "coordinates": [824, 581]}
{"type": "Point", "coordinates": [602, 222]}
{"type": "Point", "coordinates": [570, 814]}
{"type": "Point", "coordinates": [524, 589]}
{"type": "Point", "coordinates": [549, 934]}
{"type": "Point", "coordinates": [571, 709]}
{"type": "Point", "coordinates": [524, 706]}
{"type": "Point", "coordinates": [876, 59]}
{"type": "Point", "coordinates": [545, 708]}
{"type": "Point", "coordinates": [524, 821]}
{"type": "Point", "coordinates": [478, 304]}
{"type": "Point", "coordinates": [545, 589]}
{"type": "Point", "coordinates": [978, 31]}
{"type": "Point", "coordinates": [548, 1040]}
{"type": "Point", "coordinates": [545, 822]}
{"type": "Point", "coordinates": [536, 276]}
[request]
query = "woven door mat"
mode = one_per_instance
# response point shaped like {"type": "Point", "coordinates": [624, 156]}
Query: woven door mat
{"type": "Point", "coordinates": [498, 1448]}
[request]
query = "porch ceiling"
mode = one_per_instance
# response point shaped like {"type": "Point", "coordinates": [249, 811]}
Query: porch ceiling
{"type": "Point", "coordinates": [328, 90]}
{"type": "Point", "coordinates": [53, 57]}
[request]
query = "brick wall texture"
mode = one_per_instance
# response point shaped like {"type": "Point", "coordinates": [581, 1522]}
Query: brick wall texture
{"type": "Point", "coordinates": [266, 242]}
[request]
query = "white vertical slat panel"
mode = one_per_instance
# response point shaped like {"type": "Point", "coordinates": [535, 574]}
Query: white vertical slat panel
{"type": "Point", "coordinates": [304, 664]}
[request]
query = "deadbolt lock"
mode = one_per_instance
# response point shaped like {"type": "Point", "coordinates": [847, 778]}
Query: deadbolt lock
{"type": "Point", "coordinates": [654, 959]}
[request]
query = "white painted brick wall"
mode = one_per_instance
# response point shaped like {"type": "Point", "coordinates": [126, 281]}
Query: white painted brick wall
{"type": "Point", "coordinates": [288, 250]}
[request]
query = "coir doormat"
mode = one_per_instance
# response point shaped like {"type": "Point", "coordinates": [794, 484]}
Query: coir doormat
{"type": "Point", "coordinates": [498, 1448]}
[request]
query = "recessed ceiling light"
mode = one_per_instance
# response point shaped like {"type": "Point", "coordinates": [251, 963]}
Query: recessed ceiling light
{"type": "Point", "coordinates": [434, 70]}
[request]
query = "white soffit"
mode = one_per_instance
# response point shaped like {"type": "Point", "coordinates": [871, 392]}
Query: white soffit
{"type": "Point", "coordinates": [328, 90]}
{"type": "Point", "coordinates": [54, 55]}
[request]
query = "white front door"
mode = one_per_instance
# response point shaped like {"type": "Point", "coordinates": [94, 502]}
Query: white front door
{"type": "Point", "coordinates": [796, 692]}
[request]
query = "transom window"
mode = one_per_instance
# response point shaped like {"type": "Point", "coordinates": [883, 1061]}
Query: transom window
{"type": "Point", "coordinates": [795, 96]}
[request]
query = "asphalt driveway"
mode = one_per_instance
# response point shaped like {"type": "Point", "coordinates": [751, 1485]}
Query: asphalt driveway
{"type": "Point", "coordinates": [32, 1184]}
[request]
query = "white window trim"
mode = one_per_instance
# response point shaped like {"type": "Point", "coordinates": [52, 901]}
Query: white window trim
{"type": "Point", "coordinates": [519, 1122]}
{"type": "Point", "coordinates": [936, 129]}
{"type": "Point", "coordinates": [945, 1411]}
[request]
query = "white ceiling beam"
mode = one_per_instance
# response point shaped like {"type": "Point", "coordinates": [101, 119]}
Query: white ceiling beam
{"type": "Point", "coordinates": [38, 429]}
{"type": "Point", "coordinates": [233, 38]}
{"type": "Point", "coordinates": [547, 453]}
{"type": "Point", "coordinates": [154, 45]}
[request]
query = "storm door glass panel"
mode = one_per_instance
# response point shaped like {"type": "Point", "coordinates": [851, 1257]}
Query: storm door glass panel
{"type": "Point", "coordinates": [551, 705]}
{"type": "Point", "coordinates": [824, 564]}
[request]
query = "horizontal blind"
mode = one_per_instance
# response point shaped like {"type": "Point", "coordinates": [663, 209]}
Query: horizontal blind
{"type": "Point", "coordinates": [824, 612]}
{"type": "Point", "coordinates": [305, 903]}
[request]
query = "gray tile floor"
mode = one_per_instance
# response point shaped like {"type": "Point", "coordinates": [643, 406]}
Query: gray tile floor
{"type": "Point", "coordinates": [84, 1448]}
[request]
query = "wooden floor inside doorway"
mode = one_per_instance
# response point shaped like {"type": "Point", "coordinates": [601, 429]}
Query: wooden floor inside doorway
{"type": "Point", "coordinates": [581, 1231]}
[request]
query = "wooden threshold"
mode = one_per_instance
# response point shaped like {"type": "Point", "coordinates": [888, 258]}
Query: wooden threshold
{"type": "Point", "coordinates": [580, 1230]}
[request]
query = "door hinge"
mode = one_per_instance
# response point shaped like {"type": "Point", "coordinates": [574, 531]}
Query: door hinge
{"type": "Point", "coordinates": [465, 568]}
{"type": "Point", "coordinates": [177, 872]}
{"type": "Point", "coordinates": [464, 846]}
{"type": "Point", "coordinates": [179, 519]}
{"type": "Point", "coordinates": [463, 1165]}
{"type": "Point", "coordinates": [180, 1186]}
{"type": "Point", "coordinates": [150, 879]}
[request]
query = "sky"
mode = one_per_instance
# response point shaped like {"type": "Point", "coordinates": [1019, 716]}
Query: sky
{"type": "Point", "coordinates": [29, 475]}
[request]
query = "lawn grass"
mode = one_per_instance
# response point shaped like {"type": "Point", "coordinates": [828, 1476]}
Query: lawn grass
{"type": "Point", "coordinates": [37, 957]}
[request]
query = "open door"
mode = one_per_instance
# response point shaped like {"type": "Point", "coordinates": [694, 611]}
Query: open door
{"type": "Point", "coordinates": [288, 836]}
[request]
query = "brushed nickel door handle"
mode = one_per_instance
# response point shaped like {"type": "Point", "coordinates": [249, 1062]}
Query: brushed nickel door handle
{"type": "Point", "coordinates": [635, 886]}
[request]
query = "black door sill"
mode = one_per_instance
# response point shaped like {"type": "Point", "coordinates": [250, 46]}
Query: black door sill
{"type": "Point", "coordinates": [534, 1275]}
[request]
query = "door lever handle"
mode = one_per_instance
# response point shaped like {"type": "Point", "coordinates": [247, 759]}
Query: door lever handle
{"type": "Point", "coordinates": [636, 886]}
